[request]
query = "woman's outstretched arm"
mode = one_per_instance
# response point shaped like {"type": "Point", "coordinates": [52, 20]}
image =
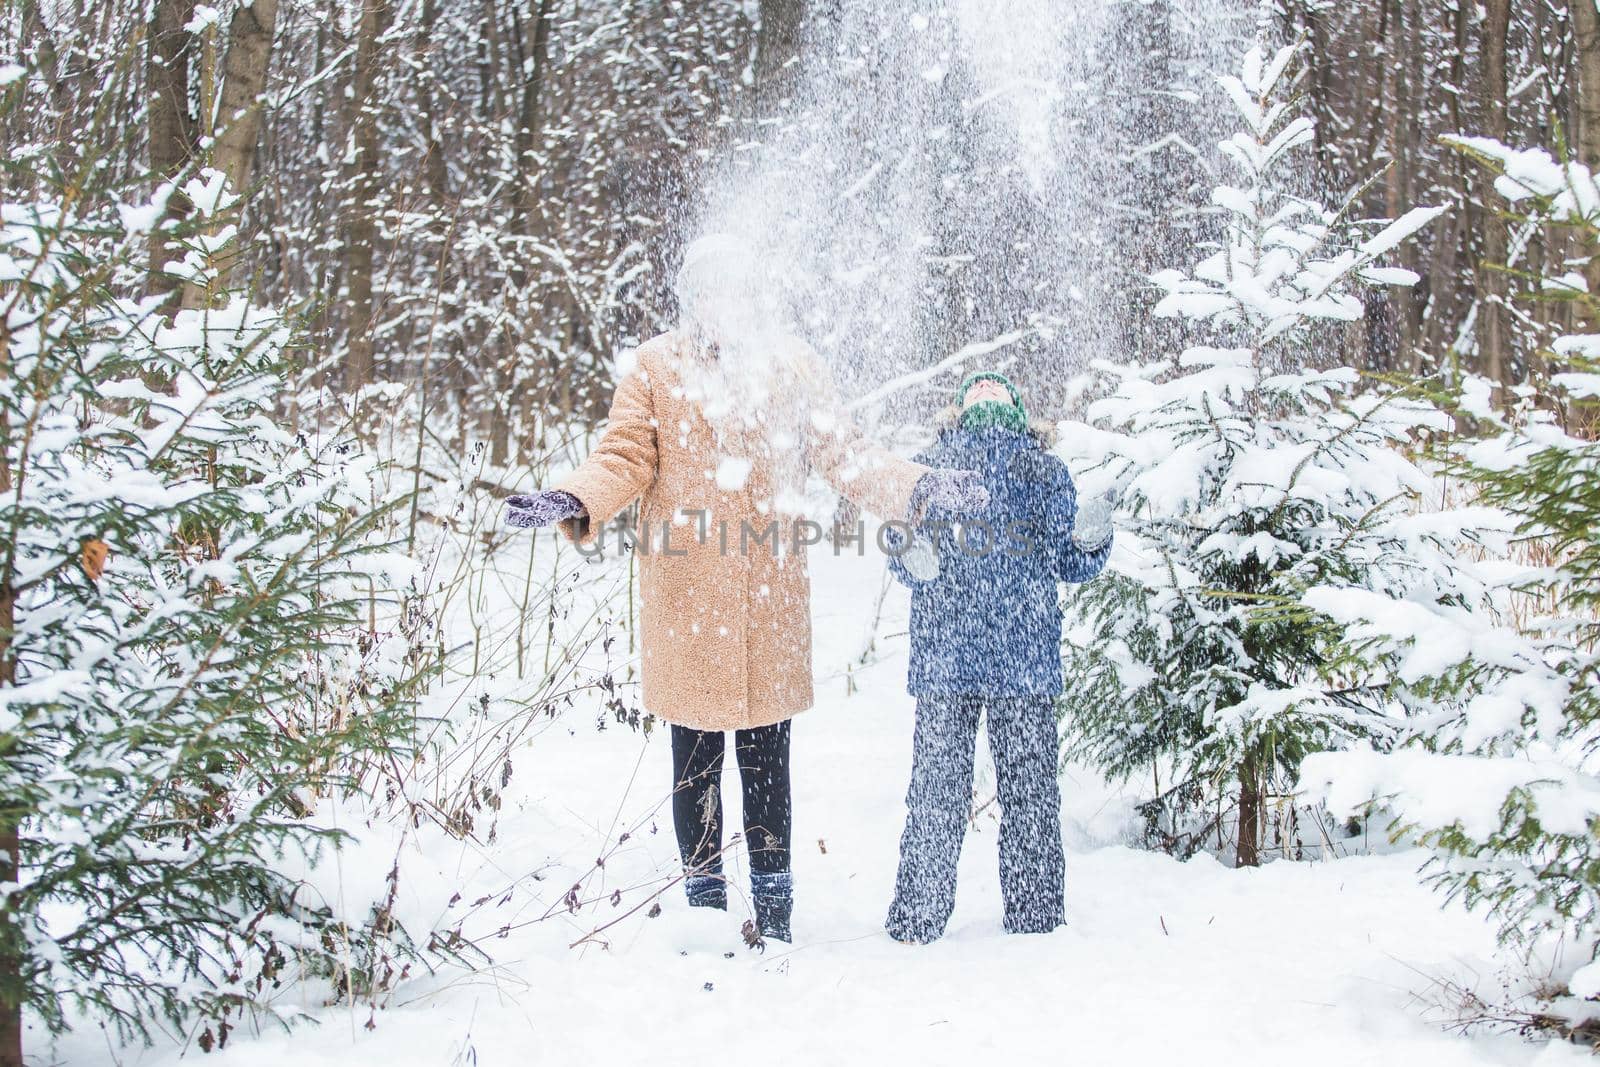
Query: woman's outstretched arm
{"type": "Point", "coordinates": [622, 465]}
{"type": "Point", "coordinates": [873, 478]}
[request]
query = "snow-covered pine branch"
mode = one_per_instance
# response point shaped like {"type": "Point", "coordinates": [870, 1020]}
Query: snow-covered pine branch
{"type": "Point", "coordinates": [188, 678]}
{"type": "Point", "coordinates": [1500, 777]}
{"type": "Point", "coordinates": [1250, 471]}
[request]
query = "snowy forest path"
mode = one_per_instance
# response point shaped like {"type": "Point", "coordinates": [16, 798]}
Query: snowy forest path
{"type": "Point", "coordinates": [1294, 963]}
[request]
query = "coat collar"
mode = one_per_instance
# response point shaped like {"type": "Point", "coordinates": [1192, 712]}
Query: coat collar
{"type": "Point", "coordinates": [948, 419]}
{"type": "Point", "coordinates": [988, 438]}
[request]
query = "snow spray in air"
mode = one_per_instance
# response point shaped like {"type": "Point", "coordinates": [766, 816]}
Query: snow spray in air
{"type": "Point", "coordinates": [953, 185]}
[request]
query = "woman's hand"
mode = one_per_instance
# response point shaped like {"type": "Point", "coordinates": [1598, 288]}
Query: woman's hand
{"type": "Point", "coordinates": [952, 490]}
{"type": "Point", "coordinates": [542, 509]}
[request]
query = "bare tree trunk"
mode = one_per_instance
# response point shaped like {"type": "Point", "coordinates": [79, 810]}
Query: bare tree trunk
{"type": "Point", "coordinates": [323, 271]}
{"type": "Point", "coordinates": [1411, 303]}
{"type": "Point", "coordinates": [1494, 325]}
{"type": "Point", "coordinates": [1385, 335]}
{"type": "Point", "coordinates": [171, 126]}
{"type": "Point", "coordinates": [438, 175]}
{"type": "Point", "coordinates": [63, 90]}
{"type": "Point", "coordinates": [1441, 276]}
{"type": "Point", "coordinates": [238, 96]}
{"type": "Point", "coordinates": [529, 140]}
{"type": "Point", "coordinates": [360, 224]}
{"type": "Point", "coordinates": [1455, 259]}
{"type": "Point", "coordinates": [777, 50]}
{"type": "Point", "coordinates": [1247, 851]}
{"type": "Point", "coordinates": [1310, 19]}
{"type": "Point", "coordinates": [244, 78]}
{"type": "Point", "coordinates": [532, 53]}
{"type": "Point", "coordinates": [10, 847]}
{"type": "Point", "coordinates": [1150, 238]}
{"type": "Point", "coordinates": [438, 179]}
{"type": "Point", "coordinates": [1586, 34]}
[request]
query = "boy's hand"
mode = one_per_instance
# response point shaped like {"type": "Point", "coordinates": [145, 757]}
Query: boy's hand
{"type": "Point", "coordinates": [922, 563]}
{"type": "Point", "coordinates": [542, 509]}
{"type": "Point", "coordinates": [1093, 526]}
{"type": "Point", "coordinates": [921, 560]}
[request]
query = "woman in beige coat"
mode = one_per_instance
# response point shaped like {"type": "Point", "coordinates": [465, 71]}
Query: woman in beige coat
{"type": "Point", "coordinates": [713, 429]}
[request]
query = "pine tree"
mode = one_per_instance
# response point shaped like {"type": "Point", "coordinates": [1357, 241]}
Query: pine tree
{"type": "Point", "coordinates": [186, 677]}
{"type": "Point", "coordinates": [1500, 778]}
{"type": "Point", "coordinates": [1247, 476]}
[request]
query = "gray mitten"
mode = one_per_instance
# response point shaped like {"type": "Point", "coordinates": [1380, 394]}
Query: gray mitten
{"type": "Point", "coordinates": [1092, 528]}
{"type": "Point", "coordinates": [921, 561]}
{"type": "Point", "coordinates": [542, 509]}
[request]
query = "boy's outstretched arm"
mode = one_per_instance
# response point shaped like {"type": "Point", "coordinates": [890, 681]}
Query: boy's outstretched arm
{"type": "Point", "coordinates": [1084, 537]}
{"type": "Point", "coordinates": [1077, 564]}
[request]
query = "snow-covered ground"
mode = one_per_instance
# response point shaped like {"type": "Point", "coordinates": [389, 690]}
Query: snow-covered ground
{"type": "Point", "coordinates": [1295, 963]}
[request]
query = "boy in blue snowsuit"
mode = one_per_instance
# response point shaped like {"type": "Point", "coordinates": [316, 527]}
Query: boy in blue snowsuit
{"type": "Point", "coordinates": [986, 638]}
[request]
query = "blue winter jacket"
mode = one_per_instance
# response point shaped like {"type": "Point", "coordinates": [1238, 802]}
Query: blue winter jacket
{"type": "Point", "coordinates": [990, 623]}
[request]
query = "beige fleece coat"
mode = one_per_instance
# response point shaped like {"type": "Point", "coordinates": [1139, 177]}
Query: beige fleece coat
{"type": "Point", "coordinates": [725, 621]}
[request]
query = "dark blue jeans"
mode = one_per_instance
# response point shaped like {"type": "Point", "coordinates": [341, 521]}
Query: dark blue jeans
{"type": "Point", "coordinates": [1022, 738]}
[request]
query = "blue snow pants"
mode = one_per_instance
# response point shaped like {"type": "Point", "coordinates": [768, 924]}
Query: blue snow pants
{"type": "Point", "coordinates": [1023, 741]}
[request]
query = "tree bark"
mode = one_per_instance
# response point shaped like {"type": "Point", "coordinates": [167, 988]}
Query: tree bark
{"type": "Point", "coordinates": [360, 225]}
{"type": "Point", "coordinates": [1494, 326]}
{"type": "Point", "coordinates": [10, 846]}
{"type": "Point", "coordinates": [777, 46]}
{"type": "Point", "coordinates": [171, 125]}
{"type": "Point", "coordinates": [244, 78]}
{"type": "Point", "coordinates": [1586, 35]}
{"type": "Point", "coordinates": [1311, 19]}
{"type": "Point", "coordinates": [532, 53]}
{"type": "Point", "coordinates": [238, 110]}
{"type": "Point", "coordinates": [41, 39]}
{"type": "Point", "coordinates": [529, 139]}
{"type": "Point", "coordinates": [1410, 304]}
{"type": "Point", "coordinates": [1247, 850]}
{"type": "Point", "coordinates": [437, 173]}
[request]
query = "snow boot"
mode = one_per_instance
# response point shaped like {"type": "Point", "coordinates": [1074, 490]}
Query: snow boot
{"type": "Point", "coordinates": [707, 890]}
{"type": "Point", "coordinates": [773, 895]}
{"type": "Point", "coordinates": [911, 933]}
{"type": "Point", "coordinates": [772, 918]}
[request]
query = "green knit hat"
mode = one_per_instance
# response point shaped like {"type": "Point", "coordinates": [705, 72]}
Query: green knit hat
{"type": "Point", "coordinates": [985, 413]}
